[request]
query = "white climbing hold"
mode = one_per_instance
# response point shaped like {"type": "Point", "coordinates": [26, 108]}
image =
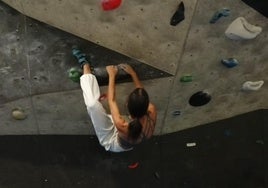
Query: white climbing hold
{"type": "Point", "coordinates": [192, 144]}
{"type": "Point", "coordinates": [240, 29]}
{"type": "Point", "coordinates": [252, 86]}
{"type": "Point", "coordinates": [18, 114]}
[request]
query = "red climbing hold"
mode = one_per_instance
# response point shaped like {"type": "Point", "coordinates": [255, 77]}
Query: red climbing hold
{"type": "Point", "coordinates": [134, 165]}
{"type": "Point", "coordinates": [110, 4]}
{"type": "Point", "coordinates": [103, 97]}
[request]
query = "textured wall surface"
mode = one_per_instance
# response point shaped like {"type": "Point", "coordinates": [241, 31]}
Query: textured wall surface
{"type": "Point", "coordinates": [139, 30]}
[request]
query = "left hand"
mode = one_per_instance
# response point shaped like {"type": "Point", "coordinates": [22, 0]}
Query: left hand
{"type": "Point", "coordinates": [112, 70]}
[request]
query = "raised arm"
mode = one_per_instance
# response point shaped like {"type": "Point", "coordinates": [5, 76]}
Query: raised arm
{"type": "Point", "coordinates": [128, 69]}
{"type": "Point", "coordinates": [120, 123]}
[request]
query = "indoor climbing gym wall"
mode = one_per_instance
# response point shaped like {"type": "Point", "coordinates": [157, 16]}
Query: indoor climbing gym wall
{"type": "Point", "coordinates": [200, 61]}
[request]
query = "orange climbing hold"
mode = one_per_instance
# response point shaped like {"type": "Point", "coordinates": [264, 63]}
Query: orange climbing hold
{"type": "Point", "coordinates": [110, 4]}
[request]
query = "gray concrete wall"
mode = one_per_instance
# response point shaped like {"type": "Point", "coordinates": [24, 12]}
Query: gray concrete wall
{"type": "Point", "coordinates": [141, 30]}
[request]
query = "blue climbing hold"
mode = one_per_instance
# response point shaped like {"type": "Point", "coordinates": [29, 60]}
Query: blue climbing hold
{"type": "Point", "coordinates": [218, 14]}
{"type": "Point", "coordinates": [230, 62]}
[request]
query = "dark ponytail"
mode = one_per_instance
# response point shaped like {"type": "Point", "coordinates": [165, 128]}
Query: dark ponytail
{"type": "Point", "coordinates": [134, 129]}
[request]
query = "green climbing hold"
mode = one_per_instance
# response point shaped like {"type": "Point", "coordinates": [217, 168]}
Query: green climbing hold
{"type": "Point", "coordinates": [186, 78]}
{"type": "Point", "coordinates": [74, 74]}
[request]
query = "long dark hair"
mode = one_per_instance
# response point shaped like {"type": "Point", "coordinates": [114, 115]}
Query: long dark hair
{"type": "Point", "coordinates": [138, 102]}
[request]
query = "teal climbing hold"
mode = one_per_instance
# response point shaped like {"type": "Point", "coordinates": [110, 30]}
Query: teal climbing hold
{"type": "Point", "coordinates": [74, 74]}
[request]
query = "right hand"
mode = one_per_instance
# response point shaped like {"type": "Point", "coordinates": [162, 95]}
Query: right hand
{"type": "Point", "coordinates": [127, 68]}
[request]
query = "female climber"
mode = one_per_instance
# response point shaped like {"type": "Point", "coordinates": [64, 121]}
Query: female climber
{"type": "Point", "coordinates": [115, 133]}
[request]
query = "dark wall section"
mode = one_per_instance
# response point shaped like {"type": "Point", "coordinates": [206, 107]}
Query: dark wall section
{"type": "Point", "coordinates": [228, 153]}
{"type": "Point", "coordinates": [260, 5]}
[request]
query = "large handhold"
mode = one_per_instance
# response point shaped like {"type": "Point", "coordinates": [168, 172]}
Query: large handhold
{"type": "Point", "coordinates": [240, 29]}
{"type": "Point", "coordinates": [199, 99]}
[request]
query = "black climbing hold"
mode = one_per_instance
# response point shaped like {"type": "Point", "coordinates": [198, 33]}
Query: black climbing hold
{"type": "Point", "coordinates": [178, 16]}
{"type": "Point", "coordinates": [200, 98]}
{"type": "Point", "coordinates": [157, 176]}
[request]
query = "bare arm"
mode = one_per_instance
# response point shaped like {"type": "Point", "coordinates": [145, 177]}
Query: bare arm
{"type": "Point", "coordinates": [120, 123]}
{"type": "Point", "coordinates": [128, 69]}
{"type": "Point", "coordinates": [152, 112]}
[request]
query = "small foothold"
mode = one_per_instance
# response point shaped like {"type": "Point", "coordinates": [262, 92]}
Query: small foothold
{"type": "Point", "coordinates": [260, 142]}
{"type": "Point", "coordinates": [103, 97]}
{"type": "Point", "coordinates": [230, 62]}
{"type": "Point", "coordinates": [157, 175]}
{"type": "Point", "coordinates": [18, 114]}
{"type": "Point", "coordinates": [192, 144]}
{"type": "Point", "coordinates": [176, 113]}
{"type": "Point", "coordinates": [134, 165]}
{"type": "Point", "coordinates": [186, 78]}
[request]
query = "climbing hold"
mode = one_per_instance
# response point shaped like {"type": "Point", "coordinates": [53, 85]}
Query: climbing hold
{"type": "Point", "coordinates": [18, 114]}
{"type": "Point", "coordinates": [186, 78]}
{"type": "Point", "coordinates": [199, 99]}
{"type": "Point", "coordinates": [252, 86]}
{"type": "Point", "coordinates": [110, 4]}
{"type": "Point", "coordinates": [103, 97]}
{"type": "Point", "coordinates": [74, 74]}
{"type": "Point", "coordinates": [178, 16]}
{"type": "Point", "coordinates": [218, 14]}
{"type": "Point", "coordinates": [134, 165]}
{"type": "Point", "coordinates": [176, 113]}
{"type": "Point", "coordinates": [230, 62]}
{"type": "Point", "coordinates": [156, 174]}
{"type": "Point", "coordinates": [192, 144]}
{"type": "Point", "coordinates": [260, 142]}
{"type": "Point", "coordinates": [240, 29]}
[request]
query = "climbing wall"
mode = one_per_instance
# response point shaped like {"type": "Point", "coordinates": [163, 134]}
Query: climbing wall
{"type": "Point", "coordinates": [206, 46]}
{"type": "Point", "coordinates": [141, 30]}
